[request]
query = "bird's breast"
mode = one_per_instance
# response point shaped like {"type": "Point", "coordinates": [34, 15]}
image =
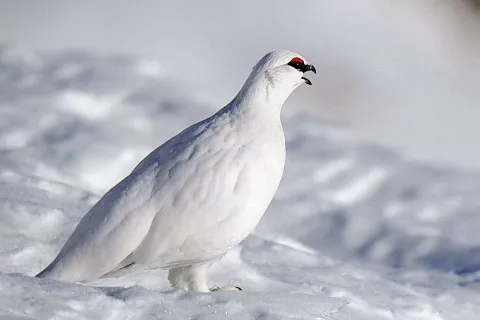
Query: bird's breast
{"type": "Point", "coordinates": [216, 191]}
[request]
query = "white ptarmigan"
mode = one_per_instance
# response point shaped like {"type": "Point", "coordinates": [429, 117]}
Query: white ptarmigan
{"type": "Point", "coordinates": [197, 195]}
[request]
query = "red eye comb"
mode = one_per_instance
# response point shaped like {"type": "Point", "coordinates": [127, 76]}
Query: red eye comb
{"type": "Point", "coordinates": [297, 59]}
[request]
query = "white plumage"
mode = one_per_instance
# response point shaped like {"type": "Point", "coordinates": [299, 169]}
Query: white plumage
{"type": "Point", "coordinates": [195, 196]}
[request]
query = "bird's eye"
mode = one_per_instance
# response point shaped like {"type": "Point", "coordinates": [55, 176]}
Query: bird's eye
{"type": "Point", "coordinates": [297, 63]}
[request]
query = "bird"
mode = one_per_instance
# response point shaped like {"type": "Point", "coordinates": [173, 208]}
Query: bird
{"type": "Point", "coordinates": [195, 196]}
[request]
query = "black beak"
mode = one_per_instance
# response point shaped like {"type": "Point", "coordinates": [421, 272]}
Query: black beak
{"type": "Point", "coordinates": [311, 67]}
{"type": "Point", "coordinates": [307, 81]}
{"type": "Point", "coordinates": [308, 67]}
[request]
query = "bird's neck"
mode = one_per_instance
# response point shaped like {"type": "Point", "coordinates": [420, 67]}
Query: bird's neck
{"type": "Point", "coordinates": [260, 96]}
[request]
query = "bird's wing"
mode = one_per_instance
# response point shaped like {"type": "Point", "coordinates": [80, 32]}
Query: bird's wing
{"type": "Point", "coordinates": [121, 219]}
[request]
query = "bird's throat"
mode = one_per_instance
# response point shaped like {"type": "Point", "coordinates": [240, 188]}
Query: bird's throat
{"type": "Point", "coordinates": [260, 97]}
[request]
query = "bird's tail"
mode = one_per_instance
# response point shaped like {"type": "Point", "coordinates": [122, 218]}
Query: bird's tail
{"type": "Point", "coordinates": [45, 273]}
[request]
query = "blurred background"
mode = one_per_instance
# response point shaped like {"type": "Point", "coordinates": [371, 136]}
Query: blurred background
{"type": "Point", "coordinates": [405, 74]}
{"type": "Point", "coordinates": [383, 155]}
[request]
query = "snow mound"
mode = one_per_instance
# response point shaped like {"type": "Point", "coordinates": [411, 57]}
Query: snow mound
{"type": "Point", "coordinates": [67, 301]}
{"type": "Point", "coordinates": [355, 231]}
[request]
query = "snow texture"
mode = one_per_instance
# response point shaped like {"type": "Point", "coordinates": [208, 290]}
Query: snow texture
{"type": "Point", "coordinates": [355, 231]}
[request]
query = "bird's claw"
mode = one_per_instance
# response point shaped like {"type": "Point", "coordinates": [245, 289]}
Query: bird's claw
{"type": "Point", "coordinates": [226, 288]}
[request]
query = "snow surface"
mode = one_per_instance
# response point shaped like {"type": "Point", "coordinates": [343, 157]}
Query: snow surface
{"type": "Point", "coordinates": [355, 231]}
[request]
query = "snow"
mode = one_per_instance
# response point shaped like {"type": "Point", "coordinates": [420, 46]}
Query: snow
{"type": "Point", "coordinates": [355, 231]}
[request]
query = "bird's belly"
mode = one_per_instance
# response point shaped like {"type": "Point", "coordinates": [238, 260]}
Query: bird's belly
{"type": "Point", "coordinates": [249, 198]}
{"type": "Point", "coordinates": [216, 213]}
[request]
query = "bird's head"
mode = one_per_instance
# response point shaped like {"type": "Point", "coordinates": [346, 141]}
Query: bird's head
{"type": "Point", "coordinates": [284, 67]}
{"type": "Point", "coordinates": [279, 73]}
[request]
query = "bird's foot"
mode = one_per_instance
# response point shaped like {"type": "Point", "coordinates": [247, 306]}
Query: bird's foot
{"type": "Point", "coordinates": [226, 288]}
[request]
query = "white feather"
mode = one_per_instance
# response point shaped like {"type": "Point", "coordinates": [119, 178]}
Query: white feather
{"type": "Point", "coordinates": [196, 195]}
